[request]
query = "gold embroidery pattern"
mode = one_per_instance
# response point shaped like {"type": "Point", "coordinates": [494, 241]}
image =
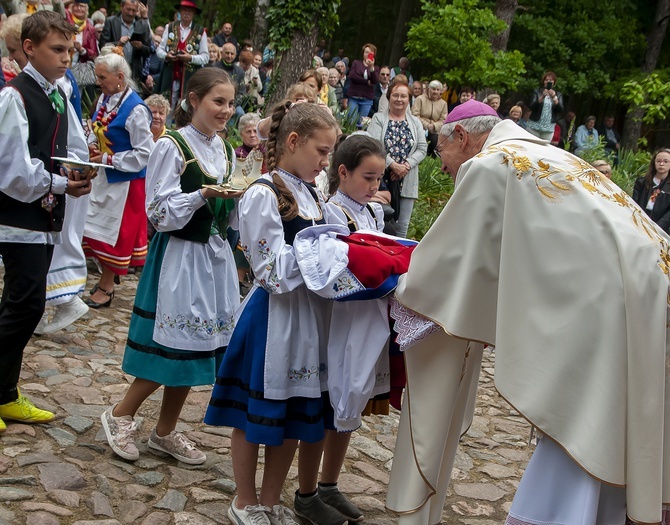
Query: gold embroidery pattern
{"type": "Point", "coordinates": [553, 183]}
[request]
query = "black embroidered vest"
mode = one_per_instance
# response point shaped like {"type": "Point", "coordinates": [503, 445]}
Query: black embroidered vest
{"type": "Point", "coordinates": [47, 138]}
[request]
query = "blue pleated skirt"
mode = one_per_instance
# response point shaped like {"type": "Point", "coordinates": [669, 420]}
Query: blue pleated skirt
{"type": "Point", "coordinates": [237, 399]}
{"type": "Point", "coordinates": [147, 359]}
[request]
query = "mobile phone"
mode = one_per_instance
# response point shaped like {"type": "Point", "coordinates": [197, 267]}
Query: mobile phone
{"type": "Point", "coordinates": [371, 56]}
{"type": "Point", "coordinates": [550, 85]}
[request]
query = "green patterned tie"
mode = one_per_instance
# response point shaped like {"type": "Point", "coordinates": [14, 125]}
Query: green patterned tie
{"type": "Point", "coordinates": [57, 101]}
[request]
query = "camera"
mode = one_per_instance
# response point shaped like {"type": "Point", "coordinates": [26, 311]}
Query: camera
{"type": "Point", "coordinates": [550, 85]}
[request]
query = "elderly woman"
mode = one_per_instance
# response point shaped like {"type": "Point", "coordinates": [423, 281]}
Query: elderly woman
{"type": "Point", "coordinates": [404, 138]}
{"type": "Point", "coordinates": [116, 227]}
{"type": "Point", "coordinates": [85, 43]}
{"type": "Point", "coordinates": [327, 93]}
{"type": "Point", "coordinates": [247, 128]}
{"type": "Point", "coordinates": [586, 136]}
{"type": "Point", "coordinates": [493, 100]}
{"type": "Point", "coordinates": [159, 107]}
{"type": "Point", "coordinates": [515, 114]}
{"type": "Point", "coordinates": [214, 53]}
{"type": "Point", "coordinates": [546, 107]}
{"type": "Point", "coordinates": [431, 110]}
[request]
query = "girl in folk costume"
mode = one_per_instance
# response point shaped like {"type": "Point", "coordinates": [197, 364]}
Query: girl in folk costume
{"type": "Point", "coordinates": [184, 50]}
{"type": "Point", "coordinates": [116, 228]}
{"type": "Point", "coordinates": [188, 293]}
{"type": "Point", "coordinates": [270, 382]}
{"type": "Point", "coordinates": [360, 327]}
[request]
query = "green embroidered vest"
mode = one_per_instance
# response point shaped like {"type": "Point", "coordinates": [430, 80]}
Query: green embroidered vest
{"type": "Point", "coordinates": [212, 218]}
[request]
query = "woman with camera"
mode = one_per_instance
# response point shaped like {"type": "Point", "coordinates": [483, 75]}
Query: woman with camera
{"type": "Point", "coordinates": [546, 107]}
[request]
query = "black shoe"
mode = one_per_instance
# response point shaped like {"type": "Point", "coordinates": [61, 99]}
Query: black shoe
{"type": "Point", "coordinates": [92, 304]}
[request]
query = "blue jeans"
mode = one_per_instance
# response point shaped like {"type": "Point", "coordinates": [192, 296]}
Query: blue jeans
{"type": "Point", "coordinates": [361, 105]}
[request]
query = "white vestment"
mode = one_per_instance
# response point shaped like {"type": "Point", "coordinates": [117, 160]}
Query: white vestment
{"type": "Point", "coordinates": [538, 254]}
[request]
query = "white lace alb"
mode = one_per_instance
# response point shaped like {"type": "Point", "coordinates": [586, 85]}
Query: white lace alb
{"type": "Point", "coordinates": [410, 326]}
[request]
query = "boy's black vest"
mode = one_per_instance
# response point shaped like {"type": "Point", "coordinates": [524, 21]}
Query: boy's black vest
{"type": "Point", "coordinates": [47, 137]}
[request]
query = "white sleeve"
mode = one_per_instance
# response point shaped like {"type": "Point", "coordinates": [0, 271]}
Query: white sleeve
{"type": "Point", "coordinates": [76, 140]}
{"type": "Point", "coordinates": [262, 239]}
{"type": "Point", "coordinates": [167, 207]}
{"type": "Point", "coordinates": [138, 125]}
{"type": "Point", "coordinates": [379, 215]}
{"type": "Point", "coordinates": [334, 214]}
{"type": "Point", "coordinates": [202, 58]}
{"type": "Point", "coordinates": [161, 50]}
{"type": "Point", "coordinates": [21, 177]}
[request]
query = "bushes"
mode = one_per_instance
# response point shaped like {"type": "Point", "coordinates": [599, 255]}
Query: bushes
{"type": "Point", "coordinates": [435, 188]}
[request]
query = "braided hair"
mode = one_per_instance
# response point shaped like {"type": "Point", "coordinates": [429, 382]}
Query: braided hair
{"type": "Point", "coordinates": [286, 118]}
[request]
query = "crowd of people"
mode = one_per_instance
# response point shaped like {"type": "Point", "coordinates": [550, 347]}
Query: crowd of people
{"type": "Point", "coordinates": [294, 219]}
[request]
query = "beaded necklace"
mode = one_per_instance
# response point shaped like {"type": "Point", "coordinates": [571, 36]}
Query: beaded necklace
{"type": "Point", "coordinates": [105, 121]}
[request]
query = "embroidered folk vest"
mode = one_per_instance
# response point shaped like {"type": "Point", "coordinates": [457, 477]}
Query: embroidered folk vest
{"type": "Point", "coordinates": [47, 137]}
{"type": "Point", "coordinates": [212, 218]}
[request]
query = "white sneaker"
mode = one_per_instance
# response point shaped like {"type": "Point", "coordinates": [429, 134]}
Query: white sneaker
{"type": "Point", "coordinates": [178, 446]}
{"type": "Point", "coordinates": [42, 325]}
{"type": "Point", "coordinates": [280, 515]}
{"type": "Point", "coordinates": [120, 432]}
{"type": "Point", "coordinates": [249, 515]}
{"type": "Point", "coordinates": [66, 314]}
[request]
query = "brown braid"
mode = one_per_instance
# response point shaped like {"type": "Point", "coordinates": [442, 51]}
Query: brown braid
{"type": "Point", "coordinates": [288, 207]}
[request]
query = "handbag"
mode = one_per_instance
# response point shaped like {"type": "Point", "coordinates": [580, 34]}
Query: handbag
{"type": "Point", "coordinates": [392, 211]}
{"type": "Point", "coordinates": [84, 73]}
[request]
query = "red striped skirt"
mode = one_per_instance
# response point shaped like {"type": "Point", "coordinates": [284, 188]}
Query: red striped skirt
{"type": "Point", "coordinates": [131, 246]}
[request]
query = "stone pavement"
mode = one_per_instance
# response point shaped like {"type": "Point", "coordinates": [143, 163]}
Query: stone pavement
{"type": "Point", "coordinates": [64, 472]}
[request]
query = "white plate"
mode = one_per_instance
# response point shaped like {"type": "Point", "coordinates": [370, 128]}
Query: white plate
{"type": "Point", "coordinates": [78, 163]}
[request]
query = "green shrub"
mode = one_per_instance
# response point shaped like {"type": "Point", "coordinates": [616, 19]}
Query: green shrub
{"type": "Point", "coordinates": [435, 188]}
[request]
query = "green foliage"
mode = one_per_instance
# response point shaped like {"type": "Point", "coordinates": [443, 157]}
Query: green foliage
{"type": "Point", "coordinates": [631, 166]}
{"type": "Point", "coordinates": [651, 93]}
{"type": "Point", "coordinates": [435, 189]}
{"type": "Point", "coordinates": [587, 44]}
{"type": "Point", "coordinates": [347, 121]}
{"type": "Point", "coordinates": [290, 16]}
{"type": "Point", "coordinates": [454, 38]}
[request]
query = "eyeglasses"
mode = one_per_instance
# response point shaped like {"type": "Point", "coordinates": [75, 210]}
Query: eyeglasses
{"type": "Point", "coordinates": [384, 74]}
{"type": "Point", "coordinates": [440, 144]}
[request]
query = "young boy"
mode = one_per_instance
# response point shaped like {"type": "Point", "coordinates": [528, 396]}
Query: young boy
{"type": "Point", "coordinates": [32, 200]}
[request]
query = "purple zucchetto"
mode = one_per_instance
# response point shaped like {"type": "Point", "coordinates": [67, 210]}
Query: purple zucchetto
{"type": "Point", "coordinates": [469, 109]}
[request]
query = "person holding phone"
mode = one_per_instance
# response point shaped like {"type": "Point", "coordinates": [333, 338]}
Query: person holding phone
{"type": "Point", "coordinates": [546, 107]}
{"type": "Point", "coordinates": [131, 32]}
{"type": "Point", "coordinates": [363, 76]}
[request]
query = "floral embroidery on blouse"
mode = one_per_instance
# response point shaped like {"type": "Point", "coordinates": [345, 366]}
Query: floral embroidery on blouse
{"type": "Point", "coordinates": [304, 373]}
{"type": "Point", "coordinates": [271, 283]}
{"type": "Point", "coordinates": [398, 140]}
{"type": "Point", "coordinates": [197, 325]}
{"type": "Point", "coordinates": [155, 212]}
{"type": "Point", "coordinates": [344, 283]}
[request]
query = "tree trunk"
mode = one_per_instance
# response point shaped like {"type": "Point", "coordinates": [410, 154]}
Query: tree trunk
{"type": "Point", "coordinates": [290, 64]}
{"type": "Point", "coordinates": [259, 31]}
{"type": "Point", "coordinates": [505, 10]}
{"type": "Point", "coordinates": [151, 7]}
{"type": "Point", "coordinates": [633, 125]}
{"type": "Point", "coordinates": [400, 35]}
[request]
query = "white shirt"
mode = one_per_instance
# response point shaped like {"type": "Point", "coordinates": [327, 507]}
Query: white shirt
{"type": "Point", "coordinates": [24, 178]}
